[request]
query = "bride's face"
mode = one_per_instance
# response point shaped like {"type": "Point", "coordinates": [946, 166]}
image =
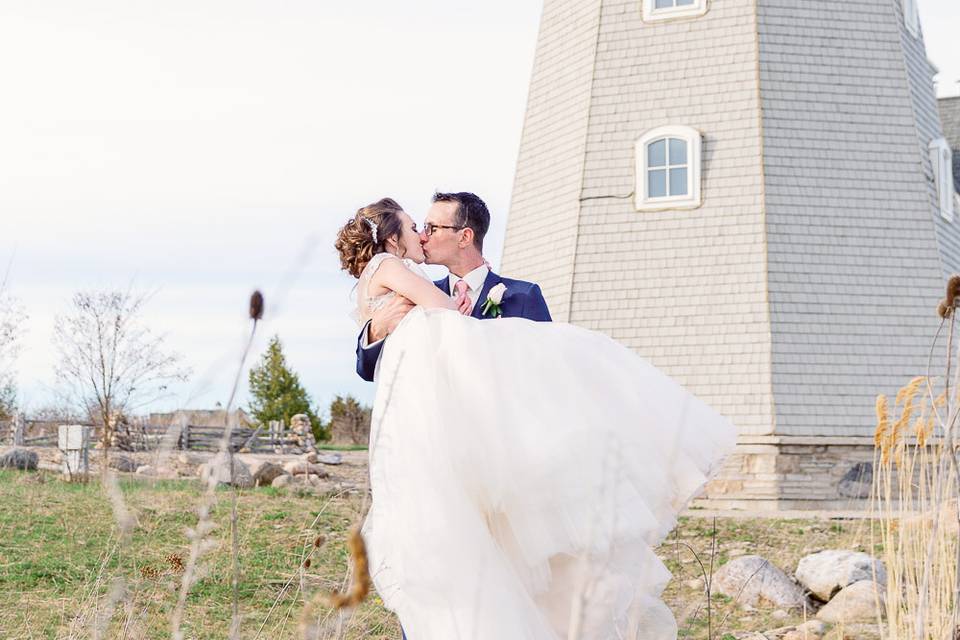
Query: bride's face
{"type": "Point", "coordinates": [408, 242]}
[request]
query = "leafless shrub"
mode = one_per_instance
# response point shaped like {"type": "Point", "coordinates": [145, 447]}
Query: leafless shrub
{"type": "Point", "coordinates": [110, 363]}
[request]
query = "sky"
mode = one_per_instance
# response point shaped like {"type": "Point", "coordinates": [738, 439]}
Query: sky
{"type": "Point", "coordinates": [198, 149]}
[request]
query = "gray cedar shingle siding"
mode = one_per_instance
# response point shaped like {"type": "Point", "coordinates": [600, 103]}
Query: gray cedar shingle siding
{"type": "Point", "coordinates": [545, 207]}
{"type": "Point", "coordinates": [950, 119]}
{"type": "Point", "coordinates": [854, 270]}
{"type": "Point", "coordinates": [807, 282]}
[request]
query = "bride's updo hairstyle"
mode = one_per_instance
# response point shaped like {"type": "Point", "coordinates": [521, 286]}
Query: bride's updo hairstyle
{"type": "Point", "coordinates": [356, 242]}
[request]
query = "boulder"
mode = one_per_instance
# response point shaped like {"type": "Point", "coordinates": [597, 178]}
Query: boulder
{"type": "Point", "coordinates": [857, 482]}
{"type": "Point", "coordinates": [218, 469]}
{"type": "Point", "coordinates": [827, 572]}
{"type": "Point", "coordinates": [19, 458]}
{"type": "Point", "coordinates": [809, 630]}
{"type": "Point", "coordinates": [298, 467]}
{"type": "Point", "coordinates": [330, 458]}
{"type": "Point", "coordinates": [755, 581]}
{"type": "Point", "coordinates": [310, 457]}
{"type": "Point", "coordinates": [124, 464]}
{"type": "Point", "coordinates": [265, 472]}
{"type": "Point", "coordinates": [282, 481]}
{"type": "Point", "coordinates": [858, 602]}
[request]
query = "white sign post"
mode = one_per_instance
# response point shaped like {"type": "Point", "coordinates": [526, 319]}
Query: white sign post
{"type": "Point", "coordinates": [74, 443]}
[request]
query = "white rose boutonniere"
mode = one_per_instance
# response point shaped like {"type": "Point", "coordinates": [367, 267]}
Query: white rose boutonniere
{"type": "Point", "coordinates": [492, 306]}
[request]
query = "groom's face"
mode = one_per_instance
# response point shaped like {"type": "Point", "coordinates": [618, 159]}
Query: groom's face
{"type": "Point", "coordinates": [443, 245]}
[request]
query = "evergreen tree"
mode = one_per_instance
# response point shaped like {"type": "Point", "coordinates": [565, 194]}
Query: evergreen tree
{"type": "Point", "coordinates": [276, 393]}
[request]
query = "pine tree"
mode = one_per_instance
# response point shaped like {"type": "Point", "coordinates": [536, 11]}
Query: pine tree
{"type": "Point", "coordinates": [276, 392]}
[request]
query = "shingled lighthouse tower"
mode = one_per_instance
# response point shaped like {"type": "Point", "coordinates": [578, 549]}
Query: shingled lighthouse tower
{"type": "Point", "coordinates": [754, 195]}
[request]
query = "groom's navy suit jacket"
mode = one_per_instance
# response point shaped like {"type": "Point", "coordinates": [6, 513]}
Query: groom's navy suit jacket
{"type": "Point", "coordinates": [521, 300]}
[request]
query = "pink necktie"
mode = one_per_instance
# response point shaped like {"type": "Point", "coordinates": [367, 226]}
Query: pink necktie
{"type": "Point", "coordinates": [463, 301]}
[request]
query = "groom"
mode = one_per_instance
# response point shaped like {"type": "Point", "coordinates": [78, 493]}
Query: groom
{"type": "Point", "coordinates": [452, 236]}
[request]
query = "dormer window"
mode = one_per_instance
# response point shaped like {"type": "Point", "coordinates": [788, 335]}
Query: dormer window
{"type": "Point", "coordinates": [668, 169]}
{"type": "Point", "coordinates": [654, 10]}
{"type": "Point", "coordinates": [941, 160]}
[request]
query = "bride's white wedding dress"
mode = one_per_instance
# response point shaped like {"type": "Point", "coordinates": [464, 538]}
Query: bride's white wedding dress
{"type": "Point", "coordinates": [522, 474]}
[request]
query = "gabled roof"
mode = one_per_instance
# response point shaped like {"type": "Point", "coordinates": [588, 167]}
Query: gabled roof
{"type": "Point", "coordinates": [950, 118]}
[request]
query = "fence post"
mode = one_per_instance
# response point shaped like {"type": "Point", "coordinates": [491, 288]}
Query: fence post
{"type": "Point", "coordinates": [185, 435]}
{"type": "Point", "coordinates": [18, 429]}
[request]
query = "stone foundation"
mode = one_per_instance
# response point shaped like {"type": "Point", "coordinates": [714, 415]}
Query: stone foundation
{"type": "Point", "coordinates": [786, 473]}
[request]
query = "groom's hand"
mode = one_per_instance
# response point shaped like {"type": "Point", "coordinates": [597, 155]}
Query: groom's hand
{"type": "Point", "coordinates": [385, 319]}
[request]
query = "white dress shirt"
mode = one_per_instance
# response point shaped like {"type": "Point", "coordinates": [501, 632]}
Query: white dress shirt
{"type": "Point", "coordinates": [474, 280]}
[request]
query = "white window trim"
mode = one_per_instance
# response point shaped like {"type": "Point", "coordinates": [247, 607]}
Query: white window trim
{"type": "Point", "coordinates": [911, 16]}
{"type": "Point", "coordinates": [694, 152]}
{"type": "Point", "coordinates": [652, 14]}
{"type": "Point", "coordinates": [943, 176]}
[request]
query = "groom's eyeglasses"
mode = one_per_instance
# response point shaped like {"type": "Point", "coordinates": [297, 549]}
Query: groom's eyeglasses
{"type": "Point", "coordinates": [429, 228]}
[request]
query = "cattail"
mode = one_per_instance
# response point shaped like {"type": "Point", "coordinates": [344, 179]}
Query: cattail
{"type": "Point", "coordinates": [256, 306]}
{"type": "Point", "coordinates": [306, 563]}
{"type": "Point", "coordinates": [361, 574]}
{"type": "Point", "coordinates": [943, 310]}
{"type": "Point", "coordinates": [318, 542]}
{"type": "Point", "coordinates": [953, 290]}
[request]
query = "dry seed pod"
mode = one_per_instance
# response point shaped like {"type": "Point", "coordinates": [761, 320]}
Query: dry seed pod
{"type": "Point", "coordinates": [361, 574]}
{"type": "Point", "coordinates": [943, 310]}
{"type": "Point", "coordinates": [953, 290]}
{"type": "Point", "coordinates": [256, 306]}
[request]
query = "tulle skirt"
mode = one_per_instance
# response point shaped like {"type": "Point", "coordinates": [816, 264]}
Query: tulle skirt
{"type": "Point", "coordinates": [522, 474]}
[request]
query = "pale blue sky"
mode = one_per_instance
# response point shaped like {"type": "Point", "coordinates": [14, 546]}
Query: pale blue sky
{"type": "Point", "coordinates": [203, 148]}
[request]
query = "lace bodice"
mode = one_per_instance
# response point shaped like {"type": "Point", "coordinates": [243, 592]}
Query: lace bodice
{"type": "Point", "coordinates": [367, 304]}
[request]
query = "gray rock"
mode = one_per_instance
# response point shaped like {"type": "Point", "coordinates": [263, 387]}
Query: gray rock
{"type": "Point", "coordinates": [809, 630]}
{"type": "Point", "coordinates": [298, 467]}
{"type": "Point", "coordinates": [123, 463]}
{"type": "Point", "coordinates": [858, 602]}
{"type": "Point", "coordinates": [218, 469]}
{"type": "Point", "coordinates": [145, 470]}
{"type": "Point", "coordinates": [827, 572]}
{"type": "Point", "coordinates": [19, 458]}
{"type": "Point", "coordinates": [282, 481]}
{"type": "Point", "coordinates": [330, 458]}
{"type": "Point", "coordinates": [857, 482]}
{"type": "Point", "coordinates": [754, 581]}
{"type": "Point", "coordinates": [265, 472]}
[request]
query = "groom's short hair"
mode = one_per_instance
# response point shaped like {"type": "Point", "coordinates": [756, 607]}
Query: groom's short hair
{"type": "Point", "coordinates": [471, 212]}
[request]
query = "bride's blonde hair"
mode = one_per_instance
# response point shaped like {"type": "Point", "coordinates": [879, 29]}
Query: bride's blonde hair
{"type": "Point", "coordinates": [366, 234]}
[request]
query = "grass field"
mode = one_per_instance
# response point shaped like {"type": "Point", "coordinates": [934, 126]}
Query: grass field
{"type": "Point", "coordinates": [59, 556]}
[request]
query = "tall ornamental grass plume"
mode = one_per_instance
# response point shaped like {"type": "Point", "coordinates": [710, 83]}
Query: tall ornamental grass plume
{"type": "Point", "coordinates": [915, 496]}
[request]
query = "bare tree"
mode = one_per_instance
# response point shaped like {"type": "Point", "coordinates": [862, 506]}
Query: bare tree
{"type": "Point", "coordinates": [110, 363]}
{"type": "Point", "coordinates": [11, 322]}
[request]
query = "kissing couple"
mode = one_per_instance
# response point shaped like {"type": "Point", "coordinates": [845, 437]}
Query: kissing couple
{"type": "Point", "coordinates": [522, 470]}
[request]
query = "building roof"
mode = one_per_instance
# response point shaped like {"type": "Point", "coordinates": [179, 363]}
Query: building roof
{"type": "Point", "coordinates": [950, 117]}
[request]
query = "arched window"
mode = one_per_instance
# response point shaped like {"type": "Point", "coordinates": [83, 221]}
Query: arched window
{"type": "Point", "coordinates": [654, 10]}
{"type": "Point", "coordinates": [668, 169]}
{"type": "Point", "coordinates": [941, 161]}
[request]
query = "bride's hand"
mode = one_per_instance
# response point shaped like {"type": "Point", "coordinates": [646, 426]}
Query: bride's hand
{"type": "Point", "coordinates": [385, 319]}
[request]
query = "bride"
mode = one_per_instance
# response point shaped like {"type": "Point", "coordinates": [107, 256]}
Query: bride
{"type": "Point", "coordinates": [522, 472]}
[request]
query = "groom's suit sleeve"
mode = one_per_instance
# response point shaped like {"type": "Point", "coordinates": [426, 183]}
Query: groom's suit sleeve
{"type": "Point", "coordinates": [367, 357]}
{"type": "Point", "coordinates": [535, 307]}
